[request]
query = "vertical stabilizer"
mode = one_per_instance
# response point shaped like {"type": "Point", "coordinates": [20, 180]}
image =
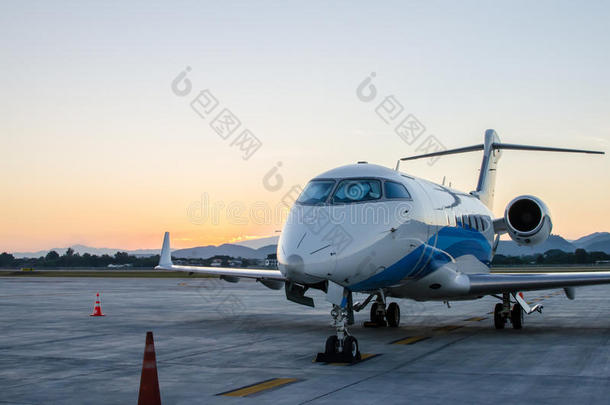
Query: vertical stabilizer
{"type": "Point", "coordinates": [487, 177]}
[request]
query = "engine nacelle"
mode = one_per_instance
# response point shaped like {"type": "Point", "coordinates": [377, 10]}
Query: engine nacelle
{"type": "Point", "coordinates": [528, 220]}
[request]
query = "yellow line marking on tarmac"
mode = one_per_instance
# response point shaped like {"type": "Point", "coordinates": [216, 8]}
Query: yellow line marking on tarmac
{"type": "Point", "coordinates": [258, 387]}
{"type": "Point", "coordinates": [410, 340]}
{"type": "Point", "coordinates": [448, 328]}
{"type": "Point", "coordinates": [366, 356]}
{"type": "Point", "coordinates": [476, 318]}
{"type": "Point", "coordinates": [363, 357]}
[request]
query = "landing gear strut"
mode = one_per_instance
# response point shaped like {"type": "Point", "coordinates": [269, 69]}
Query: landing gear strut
{"type": "Point", "coordinates": [341, 347]}
{"type": "Point", "coordinates": [503, 312]}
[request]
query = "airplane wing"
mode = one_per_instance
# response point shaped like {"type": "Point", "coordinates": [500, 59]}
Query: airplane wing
{"type": "Point", "coordinates": [484, 284]}
{"type": "Point", "coordinates": [229, 273]}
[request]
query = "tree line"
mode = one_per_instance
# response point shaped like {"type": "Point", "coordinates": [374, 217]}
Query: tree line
{"type": "Point", "coordinates": [72, 259]}
{"type": "Point", "coordinates": [554, 256]}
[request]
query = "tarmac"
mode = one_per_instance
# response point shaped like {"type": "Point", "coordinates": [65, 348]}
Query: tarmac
{"type": "Point", "coordinates": [225, 343]}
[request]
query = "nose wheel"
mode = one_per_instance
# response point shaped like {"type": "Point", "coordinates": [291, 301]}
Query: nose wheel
{"type": "Point", "coordinates": [340, 347]}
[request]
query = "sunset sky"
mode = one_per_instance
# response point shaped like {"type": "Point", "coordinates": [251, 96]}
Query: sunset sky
{"type": "Point", "coordinates": [98, 149]}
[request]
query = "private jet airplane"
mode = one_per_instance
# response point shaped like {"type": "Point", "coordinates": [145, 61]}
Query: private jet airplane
{"type": "Point", "coordinates": [370, 229]}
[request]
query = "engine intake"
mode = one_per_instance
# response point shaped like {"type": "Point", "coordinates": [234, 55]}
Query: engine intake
{"type": "Point", "coordinates": [528, 220]}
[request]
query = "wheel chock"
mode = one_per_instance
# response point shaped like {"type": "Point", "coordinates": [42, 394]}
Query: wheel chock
{"type": "Point", "coordinates": [337, 358]}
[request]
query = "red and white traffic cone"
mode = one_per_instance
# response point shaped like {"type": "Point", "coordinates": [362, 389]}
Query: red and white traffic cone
{"type": "Point", "coordinates": [149, 380]}
{"type": "Point", "coordinates": [97, 309]}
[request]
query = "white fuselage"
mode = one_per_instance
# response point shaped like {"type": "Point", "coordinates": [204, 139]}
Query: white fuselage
{"type": "Point", "coordinates": [417, 247]}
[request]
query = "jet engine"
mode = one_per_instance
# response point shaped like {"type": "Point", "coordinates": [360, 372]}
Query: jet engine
{"type": "Point", "coordinates": [527, 220]}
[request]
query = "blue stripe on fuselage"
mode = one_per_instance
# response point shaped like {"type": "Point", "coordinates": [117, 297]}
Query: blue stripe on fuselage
{"type": "Point", "coordinates": [453, 241]}
{"type": "Point", "coordinates": [464, 241]}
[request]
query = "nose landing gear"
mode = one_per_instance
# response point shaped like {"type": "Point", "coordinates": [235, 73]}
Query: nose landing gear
{"type": "Point", "coordinates": [341, 347]}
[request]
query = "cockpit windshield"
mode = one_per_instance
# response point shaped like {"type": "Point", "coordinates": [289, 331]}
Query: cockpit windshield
{"type": "Point", "coordinates": [356, 190]}
{"type": "Point", "coordinates": [316, 192]}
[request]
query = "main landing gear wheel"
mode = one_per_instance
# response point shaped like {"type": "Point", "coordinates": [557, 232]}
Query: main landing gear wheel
{"type": "Point", "coordinates": [516, 316]}
{"type": "Point", "coordinates": [378, 314]}
{"type": "Point", "coordinates": [393, 315]}
{"type": "Point", "coordinates": [499, 318]}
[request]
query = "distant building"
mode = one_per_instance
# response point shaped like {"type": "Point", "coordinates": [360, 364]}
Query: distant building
{"type": "Point", "coordinates": [271, 261]}
{"type": "Point", "coordinates": [235, 263]}
{"type": "Point", "coordinates": [216, 263]}
{"type": "Point", "coordinates": [119, 266]}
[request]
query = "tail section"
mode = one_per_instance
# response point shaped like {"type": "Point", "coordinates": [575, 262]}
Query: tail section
{"type": "Point", "coordinates": [492, 150]}
{"type": "Point", "coordinates": [487, 177]}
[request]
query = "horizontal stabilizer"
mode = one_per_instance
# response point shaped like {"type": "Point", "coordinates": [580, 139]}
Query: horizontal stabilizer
{"type": "Point", "coordinates": [465, 149]}
{"type": "Point", "coordinates": [500, 146]}
{"type": "Point", "coordinates": [509, 146]}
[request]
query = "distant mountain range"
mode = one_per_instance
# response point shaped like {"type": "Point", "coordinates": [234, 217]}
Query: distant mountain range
{"type": "Point", "coordinates": [204, 252]}
{"type": "Point", "coordinates": [250, 249]}
{"type": "Point", "coordinates": [259, 243]}
{"type": "Point", "coordinates": [260, 248]}
{"type": "Point", "coordinates": [82, 249]}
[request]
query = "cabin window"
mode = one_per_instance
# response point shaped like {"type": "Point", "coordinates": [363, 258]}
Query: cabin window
{"type": "Point", "coordinates": [395, 190]}
{"type": "Point", "coordinates": [316, 192]}
{"type": "Point", "coordinates": [357, 190]}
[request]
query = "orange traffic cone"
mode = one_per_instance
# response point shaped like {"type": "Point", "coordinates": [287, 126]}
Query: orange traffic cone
{"type": "Point", "coordinates": [97, 309]}
{"type": "Point", "coordinates": [149, 381]}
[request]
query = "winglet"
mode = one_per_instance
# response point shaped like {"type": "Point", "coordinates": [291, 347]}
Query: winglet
{"type": "Point", "coordinates": [166, 254]}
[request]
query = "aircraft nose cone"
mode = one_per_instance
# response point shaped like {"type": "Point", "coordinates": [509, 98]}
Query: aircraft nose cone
{"type": "Point", "coordinates": [294, 265]}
